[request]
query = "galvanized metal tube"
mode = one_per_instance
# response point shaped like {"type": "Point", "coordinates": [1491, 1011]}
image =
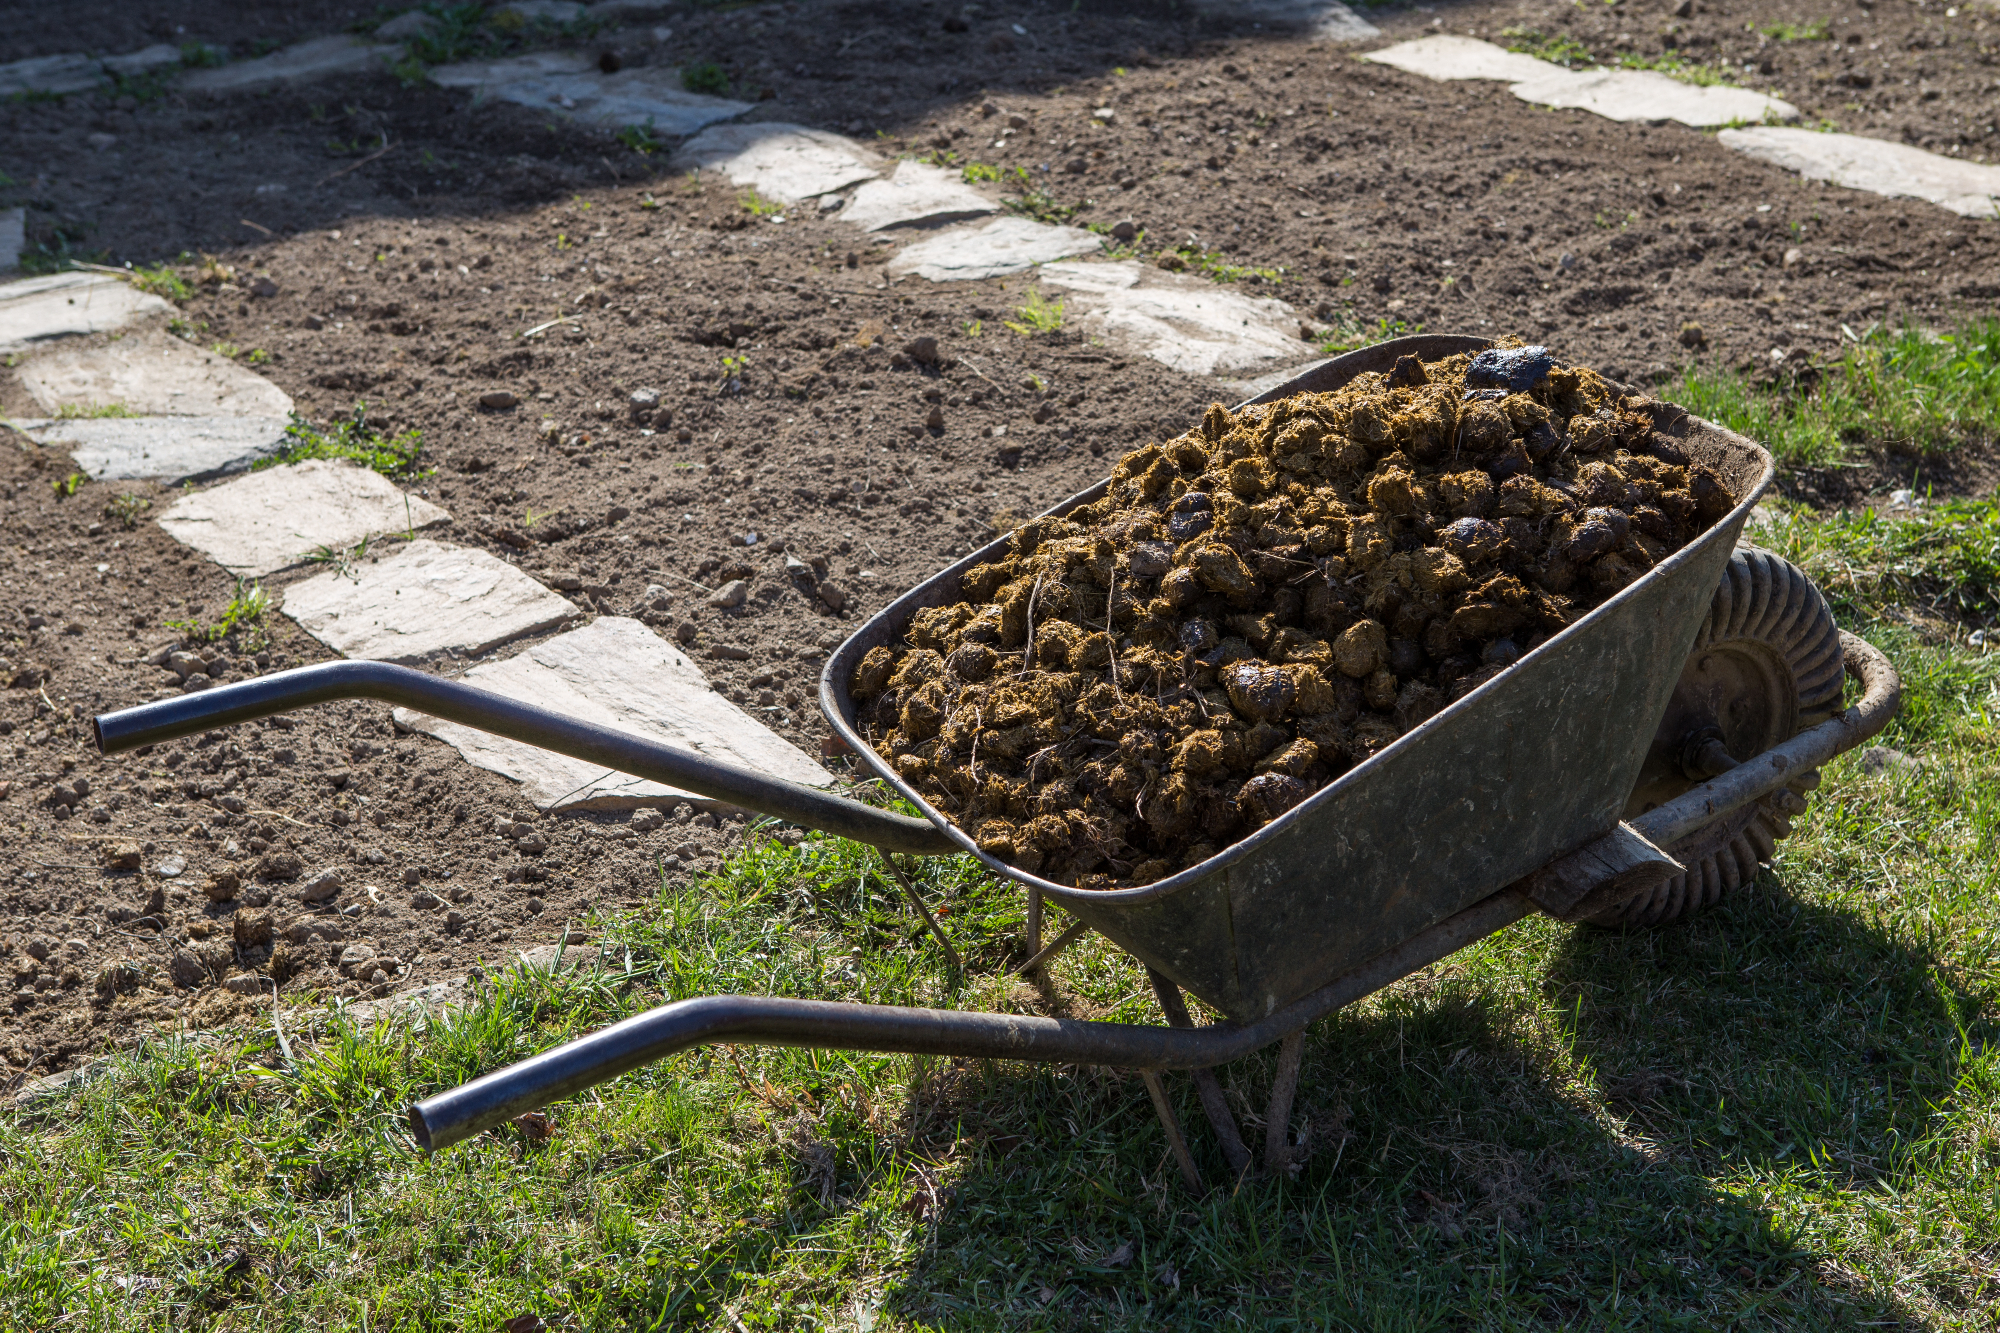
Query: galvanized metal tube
{"type": "Point", "coordinates": [449, 1117]}
{"type": "Point", "coordinates": [455, 701]}
{"type": "Point", "coordinates": [1755, 778]}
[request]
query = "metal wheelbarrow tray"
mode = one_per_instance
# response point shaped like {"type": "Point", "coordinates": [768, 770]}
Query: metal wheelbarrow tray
{"type": "Point", "coordinates": [1507, 801]}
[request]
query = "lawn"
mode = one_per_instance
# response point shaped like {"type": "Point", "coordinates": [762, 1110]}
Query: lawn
{"type": "Point", "coordinates": [1783, 1114]}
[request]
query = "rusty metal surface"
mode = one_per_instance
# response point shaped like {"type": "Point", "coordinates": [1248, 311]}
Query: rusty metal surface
{"type": "Point", "coordinates": [1533, 764]}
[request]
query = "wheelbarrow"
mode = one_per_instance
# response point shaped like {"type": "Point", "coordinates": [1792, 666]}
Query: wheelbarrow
{"type": "Point", "coordinates": [1632, 768]}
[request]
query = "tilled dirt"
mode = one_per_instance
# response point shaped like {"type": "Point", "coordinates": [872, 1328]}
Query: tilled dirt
{"type": "Point", "coordinates": [412, 239]}
{"type": "Point", "coordinates": [1262, 602]}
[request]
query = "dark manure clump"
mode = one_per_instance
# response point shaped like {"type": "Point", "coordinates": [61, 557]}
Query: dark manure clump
{"type": "Point", "coordinates": [1262, 603]}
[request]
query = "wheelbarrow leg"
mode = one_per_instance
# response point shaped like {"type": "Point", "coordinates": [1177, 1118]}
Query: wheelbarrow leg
{"type": "Point", "coordinates": [1213, 1103]}
{"type": "Point", "coordinates": [1157, 1090]}
{"type": "Point", "coordinates": [1278, 1118]}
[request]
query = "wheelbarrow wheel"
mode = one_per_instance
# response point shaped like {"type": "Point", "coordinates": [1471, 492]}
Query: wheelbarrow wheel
{"type": "Point", "coordinates": [1765, 666]}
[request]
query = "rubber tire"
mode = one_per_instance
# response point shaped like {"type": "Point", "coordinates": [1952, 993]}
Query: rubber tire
{"type": "Point", "coordinates": [1765, 607]}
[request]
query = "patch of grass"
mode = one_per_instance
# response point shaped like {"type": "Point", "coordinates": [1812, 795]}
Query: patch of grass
{"type": "Point", "coordinates": [1214, 265]}
{"type": "Point", "coordinates": [1778, 1115]}
{"type": "Point", "coordinates": [1037, 316]}
{"type": "Point", "coordinates": [1560, 49]}
{"type": "Point", "coordinates": [394, 456]}
{"type": "Point", "coordinates": [705, 76]}
{"type": "Point", "coordinates": [641, 139]}
{"type": "Point", "coordinates": [757, 206]}
{"type": "Point", "coordinates": [199, 55]}
{"type": "Point", "coordinates": [976, 173]}
{"type": "Point", "coordinates": [1347, 332]}
{"type": "Point", "coordinates": [127, 509]}
{"type": "Point", "coordinates": [1944, 559]}
{"type": "Point", "coordinates": [79, 412]}
{"type": "Point", "coordinates": [245, 612]}
{"type": "Point", "coordinates": [67, 486]}
{"type": "Point", "coordinates": [1675, 66]}
{"type": "Point", "coordinates": [161, 281]}
{"type": "Point", "coordinates": [228, 351]}
{"type": "Point", "coordinates": [1813, 30]}
{"type": "Point", "coordinates": [1906, 390]}
{"type": "Point", "coordinates": [58, 251]}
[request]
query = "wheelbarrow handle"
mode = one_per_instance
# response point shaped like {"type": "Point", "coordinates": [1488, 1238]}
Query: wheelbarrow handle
{"type": "Point", "coordinates": [454, 701]}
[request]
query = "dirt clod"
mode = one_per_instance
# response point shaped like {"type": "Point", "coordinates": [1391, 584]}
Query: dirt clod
{"type": "Point", "coordinates": [1267, 600]}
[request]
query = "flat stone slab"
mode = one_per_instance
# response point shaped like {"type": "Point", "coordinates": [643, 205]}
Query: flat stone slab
{"type": "Point", "coordinates": [169, 449]}
{"type": "Point", "coordinates": [64, 305]}
{"type": "Point", "coordinates": [1328, 19]}
{"type": "Point", "coordinates": [152, 373]}
{"type": "Point", "coordinates": [619, 674]}
{"type": "Point", "coordinates": [427, 597]}
{"type": "Point", "coordinates": [50, 74]}
{"type": "Point", "coordinates": [272, 520]}
{"type": "Point", "coordinates": [320, 58]}
{"type": "Point", "coordinates": [1002, 246]}
{"type": "Point", "coordinates": [1897, 170]}
{"type": "Point", "coordinates": [160, 55]}
{"type": "Point", "coordinates": [569, 81]}
{"type": "Point", "coordinates": [1615, 94]}
{"type": "Point", "coordinates": [1194, 325]}
{"type": "Point", "coordinates": [915, 195]}
{"type": "Point", "coordinates": [13, 237]}
{"type": "Point", "coordinates": [785, 163]}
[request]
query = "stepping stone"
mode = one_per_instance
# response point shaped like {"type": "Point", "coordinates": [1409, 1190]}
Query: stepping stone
{"type": "Point", "coordinates": [916, 195]}
{"type": "Point", "coordinates": [153, 374]}
{"type": "Point", "coordinates": [170, 450]}
{"type": "Point", "coordinates": [424, 598]}
{"type": "Point", "coordinates": [62, 305]}
{"type": "Point", "coordinates": [570, 81]}
{"type": "Point", "coordinates": [1327, 19]}
{"type": "Point", "coordinates": [785, 163]}
{"type": "Point", "coordinates": [321, 58]}
{"type": "Point", "coordinates": [1003, 246]}
{"type": "Point", "coordinates": [50, 74]}
{"type": "Point", "coordinates": [13, 237]}
{"type": "Point", "coordinates": [273, 520]}
{"type": "Point", "coordinates": [617, 673]}
{"type": "Point", "coordinates": [1194, 325]}
{"type": "Point", "coordinates": [158, 56]}
{"type": "Point", "coordinates": [545, 11]}
{"type": "Point", "coordinates": [1615, 94]}
{"type": "Point", "coordinates": [1899, 171]}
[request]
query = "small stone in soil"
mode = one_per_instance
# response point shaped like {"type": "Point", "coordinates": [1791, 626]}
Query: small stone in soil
{"type": "Point", "coordinates": [730, 595]}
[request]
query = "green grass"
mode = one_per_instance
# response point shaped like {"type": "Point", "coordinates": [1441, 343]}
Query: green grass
{"type": "Point", "coordinates": [705, 77]}
{"type": "Point", "coordinates": [1784, 1114]}
{"type": "Point", "coordinates": [1037, 316]}
{"type": "Point", "coordinates": [1570, 53]}
{"type": "Point", "coordinates": [1815, 30]}
{"type": "Point", "coordinates": [1213, 265]}
{"type": "Point", "coordinates": [1560, 49]}
{"type": "Point", "coordinates": [1905, 390]}
{"type": "Point", "coordinates": [161, 281]}
{"type": "Point", "coordinates": [126, 509]}
{"type": "Point", "coordinates": [79, 412]}
{"type": "Point", "coordinates": [245, 613]}
{"type": "Point", "coordinates": [394, 456]}
{"type": "Point", "coordinates": [641, 139]}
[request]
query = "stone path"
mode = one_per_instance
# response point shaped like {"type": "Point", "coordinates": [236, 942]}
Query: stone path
{"type": "Point", "coordinates": [62, 305]}
{"type": "Point", "coordinates": [424, 598]}
{"type": "Point", "coordinates": [616, 672]}
{"type": "Point", "coordinates": [915, 195]}
{"type": "Point", "coordinates": [1616, 94]}
{"type": "Point", "coordinates": [570, 81]}
{"type": "Point", "coordinates": [1969, 189]}
{"type": "Point", "coordinates": [1194, 325]}
{"type": "Point", "coordinates": [170, 450]}
{"type": "Point", "coordinates": [150, 373]}
{"type": "Point", "coordinates": [1327, 19]}
{"type": "Point", "coordinates": [784, 163]}
{"type": "Point", "coordinates": [1001, 247]}
{"type": "Point", "coordinates": [321, 58]}
{"type": "Point", "coordinates": [274, 520]}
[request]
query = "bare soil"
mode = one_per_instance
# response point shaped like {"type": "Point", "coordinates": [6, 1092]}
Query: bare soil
{"type": "Point", "coordinates": [412, 239]}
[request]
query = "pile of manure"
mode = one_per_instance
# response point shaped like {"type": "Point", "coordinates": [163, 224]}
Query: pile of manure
{"type": "Point", "coordinates": [1262, 603]}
